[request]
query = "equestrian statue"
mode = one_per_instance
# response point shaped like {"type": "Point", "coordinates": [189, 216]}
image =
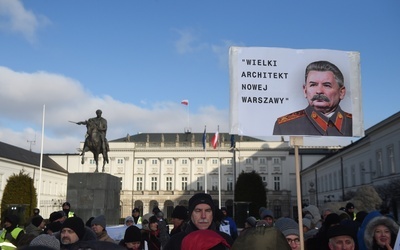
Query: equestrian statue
{"type": "Point", "coordinates": [95, 140]}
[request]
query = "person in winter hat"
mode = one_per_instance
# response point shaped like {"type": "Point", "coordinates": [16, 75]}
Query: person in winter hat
{"type": "Point", "coordinates": [231, 222]}
{"type": "Point", "coordinates": [152, 234]}
{"type": "Point", "coordinates": [72, 230]}
{"type": "Point", "coordinates": [46, 240]}
{"type": "Point", "coordinates": [250, 222]}
{"type": "Point", "coordinates": [99, 227]}
{"type": "Point", "coordinates": [316, 218]}
{"type": "Point", "coordinates": [57, 216]}
{"type": "Point", "coordinates": [201, 214]}
{"type": "Point", "coordinates": [380, 233]}
{"type": "Point", "coordinates": [350, 210]}
{"type": "Point", "coordinates": [266, 217]}
{"type": "Point", "coordinates": [132, 239]}
{"type": "Point", "coordinates": [66, 206]}
{"type": "Point", "coordinates": [36, 226]}
{"type": "Point", "coordinates": [179, 217]}
{"type": "Point", "coordinates": [289, 229]}
{"type": "Point", "coordinates": [137, 219]}
{"type": "Point", "coordinates": [341, 237]}
{"type": "Point", "coordinates": [11, 233]}
{"type": "Point", "coordinates": [128, 221]}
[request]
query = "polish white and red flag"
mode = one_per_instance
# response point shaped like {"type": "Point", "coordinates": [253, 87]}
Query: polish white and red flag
{"type": "Point", "coordinates": [185, 102]}
{"type": "Point", "coordinates": [215, 139]}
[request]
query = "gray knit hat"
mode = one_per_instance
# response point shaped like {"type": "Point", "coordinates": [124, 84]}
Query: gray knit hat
{"type": "Point", "coordinates": [99, 220]}
{"type": "Point", "coordinates": [266, 213]}
{"type": "Point", "coordinates": [46, 240]}
{"type": "Point", "coordinates": [287, 226]}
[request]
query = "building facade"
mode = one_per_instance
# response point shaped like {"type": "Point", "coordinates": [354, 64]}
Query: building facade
{"type": "Point", "coordinates": [165, 170]}
{"type": "Point", "coordinates": [53, 177]}
{"type": "Point", "coordinates": [373, 160]}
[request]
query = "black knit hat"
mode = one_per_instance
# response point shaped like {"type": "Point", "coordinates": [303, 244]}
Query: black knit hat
{"type": "Point", "coordinates": [156, 210]}
{"type": "Point", "coordinates": [201, 198]}
{"type": "Point", "coordinates": [180, 212]}
{"type": "Point", "coordinates": [132, 234]}
{"type": "Point", "coordinates": [76, 224]}
{"type": "Point", "coordinates": [153, 219]}
{"type": "Point", "coordinates": [37, 220]}
{"type": "Point", "coordinates": [55, 216]}
{"type": "Point", "coordinates": [332, 219]}
{"type": "Point", "coordinates": [54, 226]}
{"type": "Point", "coordinates": [349, 205]}
{"type": "Point", "coordinates": [340, 230]}
{"type": "Point", "coordinates": [66, 204]}
{"type": "Point", "coordinates": [13, 219]}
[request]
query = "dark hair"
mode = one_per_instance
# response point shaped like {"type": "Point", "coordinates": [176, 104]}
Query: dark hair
{"type": "Point", "coordinates": [326, 66]}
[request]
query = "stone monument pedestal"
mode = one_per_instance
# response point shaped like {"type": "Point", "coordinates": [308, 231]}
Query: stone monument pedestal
{"type": "Point", "coordinates": [93, 194]}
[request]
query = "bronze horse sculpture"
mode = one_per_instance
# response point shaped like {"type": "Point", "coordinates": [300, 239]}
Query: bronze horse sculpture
{"type": "Point", "coordinates": [93, 143]}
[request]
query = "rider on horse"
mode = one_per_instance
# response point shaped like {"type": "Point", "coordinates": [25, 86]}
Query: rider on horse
{"type": "Point", "coordinates": [101, 125]}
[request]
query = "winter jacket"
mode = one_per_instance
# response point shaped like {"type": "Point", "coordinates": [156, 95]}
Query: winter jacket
{"type": "Point", "coordinates": [32, 229]}
{"type": "Point", "coordinates": [369, 239]}
{"type": "Point", "coordinates": [360, 234]}
{"type": "Point", "coordinates": [103, 236]}
{"type": "Point", "coordinates": [261, 238]}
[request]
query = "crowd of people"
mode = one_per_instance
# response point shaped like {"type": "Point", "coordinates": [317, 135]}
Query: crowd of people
{"type": "Point", "coordinates": [204, 226]}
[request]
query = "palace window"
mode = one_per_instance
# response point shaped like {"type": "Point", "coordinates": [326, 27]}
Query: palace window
{"type": "Point", "coordinates": [139, 183]}
{"type": "Point", "coordinates": [229, 183]}
{"type": "Point", "coordinates": [168, 183]}
{"type": "Point", "coordinates": [154, 183]}
{"type": "Point", "coordinates": [200, 181]}
{"type": "Point", "coordinates": [184, 183]}
{"type": "Point", "coordinates": [214, 183]}
{"type": "Point", "coordinates": [277, 183]}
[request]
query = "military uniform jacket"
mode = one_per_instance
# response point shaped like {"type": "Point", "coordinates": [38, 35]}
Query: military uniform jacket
{"type": "Point", "coordinates": [311, 122]}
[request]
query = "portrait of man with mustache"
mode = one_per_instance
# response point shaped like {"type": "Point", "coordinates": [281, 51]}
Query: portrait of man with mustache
{"type": "Point", "coordinates": [324, 89]}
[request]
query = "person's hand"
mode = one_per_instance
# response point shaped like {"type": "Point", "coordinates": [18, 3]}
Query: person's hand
{"type": "Point", "coordinates": [387, 245]}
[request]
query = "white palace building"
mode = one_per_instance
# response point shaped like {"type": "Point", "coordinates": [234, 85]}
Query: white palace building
{"type": "Point", "coordinates": [166, 169]}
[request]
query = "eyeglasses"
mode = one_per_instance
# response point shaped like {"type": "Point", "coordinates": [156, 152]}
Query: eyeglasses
{"type": "Point", "coordinates": [297, 241]}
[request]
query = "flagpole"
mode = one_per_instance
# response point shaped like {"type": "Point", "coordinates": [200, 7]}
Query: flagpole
{"type": "Point", "coordinates": [219, 170]}
{"type": "Point", "coordinates": [233, 147]}
{"type": "Point", "coordinates": [188, 117]}
{"type": "Point", "coordinates": [205, 158]}
{"type": "Point", "coordinates": [41, 159]}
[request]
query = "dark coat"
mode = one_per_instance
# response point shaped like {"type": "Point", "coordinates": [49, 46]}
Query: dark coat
{"type": "Point", "coordinates": [261, 238]}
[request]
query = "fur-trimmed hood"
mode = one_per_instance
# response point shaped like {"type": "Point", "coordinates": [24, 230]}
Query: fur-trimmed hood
{"type": "Point", "coordinates": [380, 220]}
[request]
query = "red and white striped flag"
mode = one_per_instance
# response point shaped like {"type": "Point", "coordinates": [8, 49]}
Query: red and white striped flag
{"type": "Point", "coordinates": [185, 102]}
{"type": "Point", "coordinates": [215, 139]}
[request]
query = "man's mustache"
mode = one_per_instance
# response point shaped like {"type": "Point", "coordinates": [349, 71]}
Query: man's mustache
{"type": "Point", "coordinates": [320, 97]}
